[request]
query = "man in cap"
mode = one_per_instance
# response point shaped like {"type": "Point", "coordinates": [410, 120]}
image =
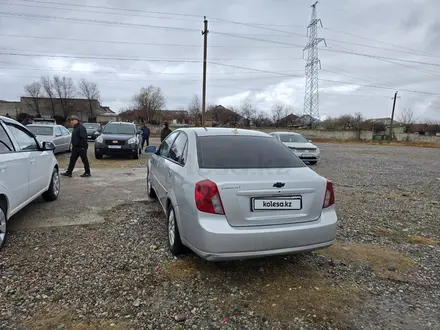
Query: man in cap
{"type": "Point", "coordinates": [165, 131]}
{"type": "Point", "coordinates": [79, 148]}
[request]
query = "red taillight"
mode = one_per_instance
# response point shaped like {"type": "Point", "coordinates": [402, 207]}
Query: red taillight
{"type": "Point", "coordinates": [329, 198]}
{"type": "Point", "coordinates": [208, 198]}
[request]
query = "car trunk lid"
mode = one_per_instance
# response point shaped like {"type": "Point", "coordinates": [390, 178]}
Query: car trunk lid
{"type": "Point", "coordinates": [262, 197]}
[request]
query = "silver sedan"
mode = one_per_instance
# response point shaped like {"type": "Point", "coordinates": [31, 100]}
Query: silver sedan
{"type": "Point", "coordinates": [236, 194]}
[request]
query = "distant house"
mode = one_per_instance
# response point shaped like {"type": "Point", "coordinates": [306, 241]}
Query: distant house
{"type": "Point", "coordinates": [56, 108]}
{"type": "Point", "coordinates": [221, 116]}
{"type": "Point", "coordinates": [11, 108]}
{"type": "Point", "coordinates": [288, 121]}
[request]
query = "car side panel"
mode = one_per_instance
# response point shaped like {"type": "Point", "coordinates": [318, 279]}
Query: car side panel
{"type": "Point", "coordinates": [14, 177]}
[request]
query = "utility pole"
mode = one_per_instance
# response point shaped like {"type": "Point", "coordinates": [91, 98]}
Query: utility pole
{"type": "Point", "coordinates": [205, 56]}
{"type": "Point", "coordinates": [311, 96]}
{"type": "Point", "coordinates": [392, 116]}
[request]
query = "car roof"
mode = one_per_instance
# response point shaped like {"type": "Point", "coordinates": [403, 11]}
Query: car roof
{"type": "Point", "coordinates": [212, 131]}
{"type": "Point", "coordinates": [118, 122]}
{"type": "Point", "coordinates": [43, 125]}
{"type": "Point", "coordinates": [291, 133]}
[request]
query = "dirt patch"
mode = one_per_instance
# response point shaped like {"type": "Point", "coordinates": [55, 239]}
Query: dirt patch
{"type": "Point", "coordinates": [286, 293]}
{"type": "Point", "coordinates": [422, 240]}
{"type": "Point", "coordinates": [380, 258]}
{"type": "Point", "coordinates": [64, 320]}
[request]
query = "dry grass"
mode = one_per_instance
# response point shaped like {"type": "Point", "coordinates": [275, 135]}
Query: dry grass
{"type": "Point", "coordinates": [379, 143]}
{"type": "Point", "coordinates": [187, 269]}
{"type": "Point", "coordinates": [284, 293]}
{"type": "Point", "coordinates": [379, 257]}
{"type": "Point", "coordinates": [53, 320]}
{"type": "Point", "coordinates": [422, 240]}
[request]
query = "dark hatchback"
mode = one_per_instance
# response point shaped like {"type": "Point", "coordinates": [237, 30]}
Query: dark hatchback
{"type": "Point", "coordinates": [93, 130]}
{"type": "Point", "coordinates": [118, 138]}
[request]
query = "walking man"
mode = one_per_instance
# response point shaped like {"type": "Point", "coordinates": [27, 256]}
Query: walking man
{"type": "Point", "coordinates": [146, 135]}
{"type": "Point", "coordinates": [79, 148]}
{"type": "Point", "coordinates": [164, 132]}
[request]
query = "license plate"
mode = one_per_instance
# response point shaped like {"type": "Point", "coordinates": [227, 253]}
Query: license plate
{"type": "Point", "coordinates": [281, 203]}
{"type": "Point", "coordinates": [307, 156]}
{"type": "Point", "coordinates": [114, 147]}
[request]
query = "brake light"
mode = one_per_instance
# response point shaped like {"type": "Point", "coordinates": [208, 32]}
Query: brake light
{"type": "Point", "coordinates": [208, 198]}
{"type": "Point", "coordinates": [329, 198]}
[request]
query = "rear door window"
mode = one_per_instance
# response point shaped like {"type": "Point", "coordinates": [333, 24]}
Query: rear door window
{"type": "Point", "coordinates": [5, 142]}
{"type": "Point", "coordinates": [241, 152]}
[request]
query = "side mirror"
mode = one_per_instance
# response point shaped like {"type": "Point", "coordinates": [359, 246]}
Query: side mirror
{"type": "Point", "coordinates": [48, 146]}
{"type": "Point", "coordinates": [140, 131]}
{"type": "Point", "coordinates": [310, 141]}
{"type": "Point", "coordinates": [150, 150]}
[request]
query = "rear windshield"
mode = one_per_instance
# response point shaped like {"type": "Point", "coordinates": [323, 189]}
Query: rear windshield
{"type": "Point", "coordinates": [41, 130]}
{"type": "Point", "coordinates": [237, 152]}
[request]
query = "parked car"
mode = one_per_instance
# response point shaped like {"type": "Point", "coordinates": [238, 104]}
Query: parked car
{"type": "Point", "coordinates": [57, 134]}
{"type": "Point", "coordinates": [119, 138]}
{"type": "Point", "coordinates": [237, 194]}
{"type": "Point", "coordinates": [300, 146]}
{"type": "Point", "coordinates": [93, 130]}
{"type": "Point", "coordinates": [28, 169]}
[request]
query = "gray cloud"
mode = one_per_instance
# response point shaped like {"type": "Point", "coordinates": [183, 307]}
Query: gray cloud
{"type": "Point", "coordinates": [70, 31]}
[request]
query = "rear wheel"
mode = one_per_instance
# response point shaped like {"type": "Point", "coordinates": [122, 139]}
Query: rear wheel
{"type": "Point", "coordinates": [174, 242]}
{"type": "Point", "coordinates": [150, 191]}
{"type": "Point", "coordinates": [3, 224]}
{"type": "Point", "coordinates": [98, 155]}
{"type": "Point", "coordinates": [54, 188]}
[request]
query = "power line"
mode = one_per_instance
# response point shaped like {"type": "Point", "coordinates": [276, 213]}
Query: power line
{"type": "Point", "coordinates": [326, 80]}
{"type": "Point", "coordinates": [112, 8]}
{"type": "Point", "coordinates": [95, 22]}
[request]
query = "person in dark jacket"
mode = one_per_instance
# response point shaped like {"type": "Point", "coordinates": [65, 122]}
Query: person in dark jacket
{"type": "Point", "coordinates": [146, 135]}
{"type": "Point", "coordinates": [79, 148]}
{"type": "Point", "coordinates": [165, 131]}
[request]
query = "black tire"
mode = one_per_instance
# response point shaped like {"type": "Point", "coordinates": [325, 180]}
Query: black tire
{"type": "Point", "coordinates": [136, 155]}
{"type": "Point", "coordinates": [3, 225]}
{"type": "Point", "coordinates": [174, 243]}
{"type": "Point", "coordinates": [150, 191]}
{"type": "Point", "coordinates": [98, 155]}
{"type": "Point", "coordinates": [313, 163]}
{"type": "Point", "coordinates": [54, 188]}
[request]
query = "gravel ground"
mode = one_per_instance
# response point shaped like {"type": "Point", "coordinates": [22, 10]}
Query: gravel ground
{"type": "Point", "coordinates": [382, 273]}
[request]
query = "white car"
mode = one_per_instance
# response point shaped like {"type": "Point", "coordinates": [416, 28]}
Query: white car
{"type": "Point", "coordinates": [300, 146]}
{"type": "Point", "coordinates": [28, 169]}
{"type": "Point", "coordinates": [57, 134]}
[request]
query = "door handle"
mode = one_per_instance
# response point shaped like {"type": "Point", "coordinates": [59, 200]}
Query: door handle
{"type": "Point", "coordinates": [32, 160]}
{"type": "Point", "coordinates": [3, 168]}
{"type": "Point", "coordinates": [169, 173]}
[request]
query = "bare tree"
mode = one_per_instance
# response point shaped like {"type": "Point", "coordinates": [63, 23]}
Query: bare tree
{"type": "Point", "coordinates": [277, 113]}
{"type": "Point", "coordinates": [90, 91]}
{"type": "Point", "coordinates": [248, 112]}
{"type": "Point", "coordinates": [149, 101]}
{"type": "Point", "coordinates": [34, 93]}
{"type": "Point", "coordinates": [195, 111]}
{"type": "Point", "coordinates": [64, 89]}
{"type": "Point", "coordinates": [50, 92]}
{"type": "Point", "coordinates": [357, 121]}
{"type": "Point", "coordinates": [407, 118]}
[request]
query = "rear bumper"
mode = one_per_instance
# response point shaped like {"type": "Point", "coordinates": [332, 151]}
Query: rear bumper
{"type": "Point", "coordinates": [214, 239]}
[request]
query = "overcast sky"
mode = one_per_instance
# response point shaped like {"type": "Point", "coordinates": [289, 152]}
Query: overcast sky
{"type": "Point", "coordinates": [79, 35]}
